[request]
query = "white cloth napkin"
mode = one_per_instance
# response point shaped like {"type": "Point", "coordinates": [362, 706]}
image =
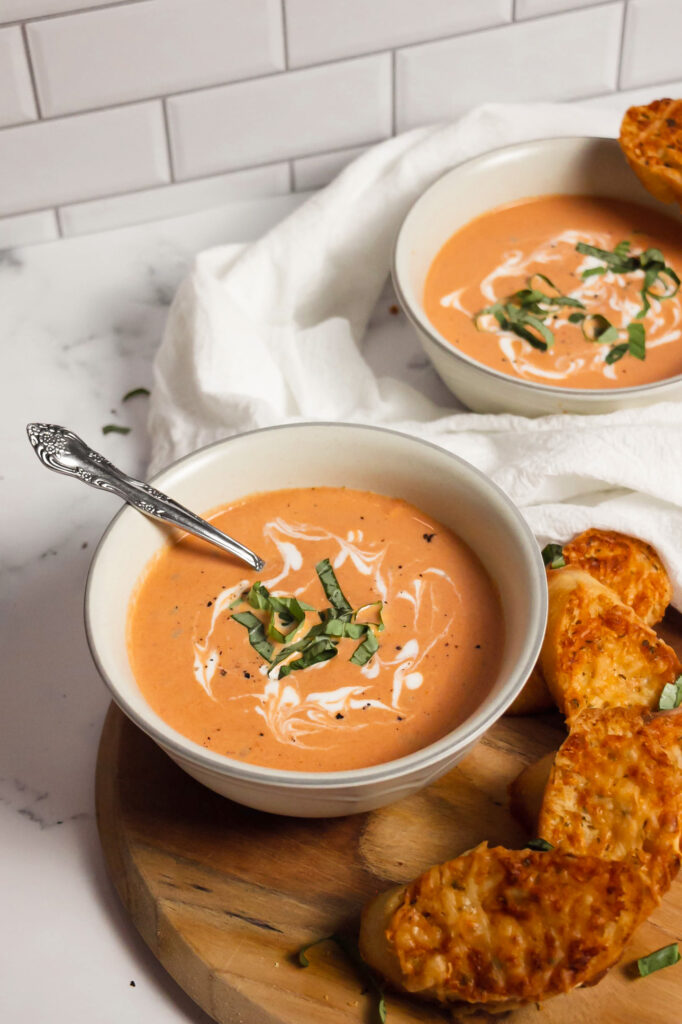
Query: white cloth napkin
{"type": "Point", "coordinates": [273, 332]}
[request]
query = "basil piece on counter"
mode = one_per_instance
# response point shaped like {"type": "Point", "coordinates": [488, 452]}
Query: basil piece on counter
{"type": "Point", "coordinates": [113, 428]}
{"type": "Point", "coordinates": [553, 556]}
{"type": "Point", "coordinates": [671, 695]}
{"type": "Point", "coordinates": [665, 957]}
{"type": "Point", "coordinates": [539, 844]}
{"type": "Point", "coordinates": [134, 393]}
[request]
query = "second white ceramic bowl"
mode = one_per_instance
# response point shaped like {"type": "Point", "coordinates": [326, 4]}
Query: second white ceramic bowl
{"type": "Point", "coordinates": [324, 454]}
{"type": "Point", "coordinates": [569, 166]}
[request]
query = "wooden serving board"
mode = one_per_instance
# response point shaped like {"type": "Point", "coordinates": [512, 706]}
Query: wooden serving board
{"type": "Point", "coordinates": [225, 896]}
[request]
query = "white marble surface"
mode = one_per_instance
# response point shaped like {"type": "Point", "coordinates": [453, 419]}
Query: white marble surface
{"type": "Point", "coordinates": [80, 320]}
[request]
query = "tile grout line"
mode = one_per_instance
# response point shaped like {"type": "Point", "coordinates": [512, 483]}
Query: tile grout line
{"type": "Point", "coordinates": [619, 70]}
{"type": "Point", "coordinates": [285, 40]}
{"type": "Point", "coordinates": [88, 9]}
{"type": "Point", "coordinates": [394, 93]}
{"type": "Point", "coordinates": [169, 148]}
{"type": "Point", "coordinates": [32, 74]}
{"type": "Point", "coordinates": [60, 225]}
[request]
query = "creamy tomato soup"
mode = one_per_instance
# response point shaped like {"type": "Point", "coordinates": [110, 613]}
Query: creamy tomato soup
{"type": "Point", "coordinates": [596, 330]}
{"type": "Point", "coordinates": [353, 561]}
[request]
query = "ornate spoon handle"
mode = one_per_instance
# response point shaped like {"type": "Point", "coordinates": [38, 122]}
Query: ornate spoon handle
{"type": "Point", "coordinates": [64, 452]}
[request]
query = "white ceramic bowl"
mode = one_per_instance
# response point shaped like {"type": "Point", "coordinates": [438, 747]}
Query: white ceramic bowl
{"type": "Point", "coordinates": [304, 455]}
{"type": "Point", "coordinates": [578, 166]}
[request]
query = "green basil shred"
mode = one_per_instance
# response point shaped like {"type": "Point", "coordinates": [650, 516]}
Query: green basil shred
{"type": "Point", "coordinates": [526, 311]}
{"type": "Point", "coordinates": [539, 844]}
{"type": "Point", "coordinates": [656, 961]}
{"type": "Point", "coordinates": [285, 617]}
{"type": "Point", "coordinates": [553, 556]}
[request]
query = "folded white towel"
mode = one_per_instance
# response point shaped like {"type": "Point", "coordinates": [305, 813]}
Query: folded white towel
{"type": "Point", "coordinates": [274, 332]}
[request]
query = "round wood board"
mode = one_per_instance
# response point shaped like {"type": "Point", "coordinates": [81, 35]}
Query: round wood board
{"type": "Point", "coordinates": [225, 896]}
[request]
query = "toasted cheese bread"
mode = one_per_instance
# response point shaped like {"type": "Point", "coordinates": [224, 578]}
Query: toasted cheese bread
{"type": "Point", "coordinates": [651, 139]}
{"type": "Point", "coordinates": [499, 928]}
{"type": "Point", "coordinates": [597, 652]}
{"type": "Point", "coordinates": [628, 566]}
{"type": "Point", "coordinates": [534, 697]}
{"type": "Point", "coordinates": [527, 792]}
{"type": "Point", "coordinates": [615, 791]}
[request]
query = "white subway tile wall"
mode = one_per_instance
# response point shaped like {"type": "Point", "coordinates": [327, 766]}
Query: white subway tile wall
{"type": "Point", "coordinates": [16, 92]}
{"type": "Point", "coordinates": [114, 112]}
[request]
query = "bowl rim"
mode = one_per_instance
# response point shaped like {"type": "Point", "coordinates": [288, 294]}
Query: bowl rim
{"type": "Point", "coordinates": [420, 322]}
{"type": "Point", "coordinates": [467, 732]}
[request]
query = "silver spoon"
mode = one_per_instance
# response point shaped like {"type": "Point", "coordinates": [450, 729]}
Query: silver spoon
{"type": "Point", "coordinates": [64, 452]}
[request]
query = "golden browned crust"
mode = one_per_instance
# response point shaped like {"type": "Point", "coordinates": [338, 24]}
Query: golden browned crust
{"type": "Point", "coordinates": [502, 928]}
{"type": "Point", "coordinates": [615, 791]}
{"type": "Point", "coordinates": [651, 139]}
{"type": "Point", "coordinates": [534, 697]}
{"type": "Point", "coordinates": [628, 566]}
{"type": "Point", "coordinates": [527, 790]}
{"type": "Point", "coordinates": [597, 652]}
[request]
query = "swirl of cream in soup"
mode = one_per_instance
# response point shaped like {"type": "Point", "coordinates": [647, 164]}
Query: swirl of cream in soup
{"type": "Point", "coordinates": [437, 658]}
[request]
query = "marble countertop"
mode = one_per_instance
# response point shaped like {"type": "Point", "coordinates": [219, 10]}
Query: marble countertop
{"type": "Point", "coordinates": [80, 320]}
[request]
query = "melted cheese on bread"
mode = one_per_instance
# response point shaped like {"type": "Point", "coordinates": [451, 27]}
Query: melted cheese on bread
{"type": "Point", "coordinates": [597, 652]}
{"type": "Point", "coordinates": [628, 566]}
{"type": "Point", "coordinates": [501, 927]}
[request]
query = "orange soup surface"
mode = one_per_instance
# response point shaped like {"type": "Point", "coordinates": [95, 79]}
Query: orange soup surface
{"type": "Point", "coordinates": [437, 657]}
{"type": "Point", "coordinates": [503, 252]}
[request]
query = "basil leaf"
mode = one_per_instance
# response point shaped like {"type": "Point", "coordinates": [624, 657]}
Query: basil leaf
{"type": "Point", "coordinates": [553, 556]}
{"type": "Point", "coordinates": [616, 353]}
{"type": "Point", "coordinates": [299, 645]}
{"type": "Point", "coordinates": [636, 341]}
{"type": "Point", "coordinates": [113, 428]}
{"type": "Point", "coordinates": [665, 957]}
{"type": "Point", "coordinates": [671, 695]}
{"type": "Point", "coordinates": [134, 393]}
{"type": "Point", "coordinates": [364, 651]}
{"type": "Point", "coordinates": [330, 585]}
{"type": "Point", "coordinates": [539, 844]}
{"type": "Point", "coordinates": [576, 318]}
{"type": "Point", "coordinates": [596, 327]}
{"type": "Point", "coordinates": [256, 631]}
{"type": "Point", "coordinates": [342, 628]}
{"type": "Point", "coordinates": [379, 605]}
{"type": "Point", "coordinates": [592, 272]}
{"type": "Point", "coordinates": [301, 955]}
{"type": "Point", "coordinates": [259, 597]}
{"type": "Point", "coordinates": [616, 261]}
{"type": "Point", "coordinates": [320, 650]}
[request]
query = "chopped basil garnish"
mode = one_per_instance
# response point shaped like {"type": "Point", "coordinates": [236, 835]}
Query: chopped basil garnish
{"type": "Point", "coordinates": [615, 353]}
{"type": "Point", "coordinates": [286, 616]}
{"type": "Point", "coordinates": [134, 393]}
{"type": "Point", "coordinates": [665, 957]}
{"type": "Point", "coordinates": [113, 428]}
{"type": "Point", "coordinates": [671, 695]}
{"type": "Point", "coordinates": [351, 950]}
{"type": "Point", "coordinates": [596, 327]}
{"type": "Point", "coordinates": [331, 587]}
{"type": "Point", "coordinates": [524, 312]}
{"type": "Point", "coordinates": [256, 631]}
{"type": "Point", "coordinates": [553, 556]}
{"type": "Point", "coordinates": [636, 341]}
{"type": "Point", "coordinates": [539, 844]}
{"type": "Point", "coordinates": [364, 651]}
